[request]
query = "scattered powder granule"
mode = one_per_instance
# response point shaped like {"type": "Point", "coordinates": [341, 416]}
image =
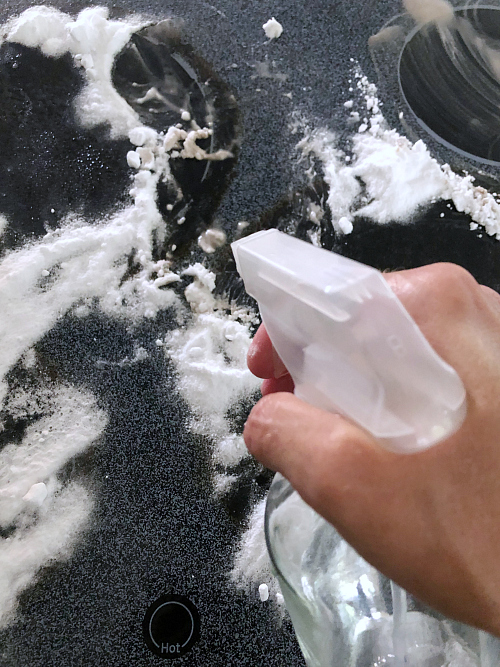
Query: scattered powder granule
{"type": "Point", "coordinates": [345, 225]}
{"type": "Point", "coordinates": [211, 239]}
{"type": "Point", "coordinates": [173, 138]}
{"type": "Point", "coordinates": [264, 592]}
{"type": "Point", "coordinates": [272, 28]}
{"type": "Point", "coordinates": [142, 135]}
{"type": "Point", "coordinates": [133, 159]}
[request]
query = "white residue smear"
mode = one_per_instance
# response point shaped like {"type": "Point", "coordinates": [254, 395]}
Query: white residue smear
{"type": "Point", "coordinates": [426, 11]}
{"type": "Point", "coordinates": [73, 425]}
{"type": "Point", "coordinates": [50, 538]}
{"type": "Point", "coordinates": [47, 515]}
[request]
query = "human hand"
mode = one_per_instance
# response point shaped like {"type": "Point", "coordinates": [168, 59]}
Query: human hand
{"type": "Point", "coordinates": [430, 521]}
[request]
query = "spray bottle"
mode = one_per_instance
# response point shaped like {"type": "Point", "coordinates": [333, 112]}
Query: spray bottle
{"type": "Point", "coordinates": [352, 348]}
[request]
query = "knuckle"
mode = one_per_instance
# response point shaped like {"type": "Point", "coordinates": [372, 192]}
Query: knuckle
{"type": "Point", "coordinates": [452, 279]}
{"type": "Point", "coordinates": [445, 289]}
{"type": "Point", "coordinates": [455, 288]}
{"type": "Point", "coordinates": [264, 410]}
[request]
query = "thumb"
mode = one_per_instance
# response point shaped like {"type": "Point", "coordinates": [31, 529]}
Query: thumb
{"type": "Point", "coordinates": [330, 462]}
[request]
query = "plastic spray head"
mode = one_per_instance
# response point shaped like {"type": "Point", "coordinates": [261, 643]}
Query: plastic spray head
{"type": "Point", "coordinates": [348, 342]}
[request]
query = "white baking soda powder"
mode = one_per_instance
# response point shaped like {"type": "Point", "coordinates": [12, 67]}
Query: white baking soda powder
{"type": "Point", "coordinates": [82, 264]}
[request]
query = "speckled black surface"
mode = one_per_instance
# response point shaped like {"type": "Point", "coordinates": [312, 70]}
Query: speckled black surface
{"type": "Point", "coordinates": [156, 528]}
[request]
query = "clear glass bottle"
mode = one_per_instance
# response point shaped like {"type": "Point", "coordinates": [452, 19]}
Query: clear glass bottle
{"type": "Point", "coordinates": [344, 612]}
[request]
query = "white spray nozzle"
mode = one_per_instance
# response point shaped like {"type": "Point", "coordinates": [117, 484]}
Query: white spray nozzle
{"type": "Point", "coordinates": [348, 342]}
